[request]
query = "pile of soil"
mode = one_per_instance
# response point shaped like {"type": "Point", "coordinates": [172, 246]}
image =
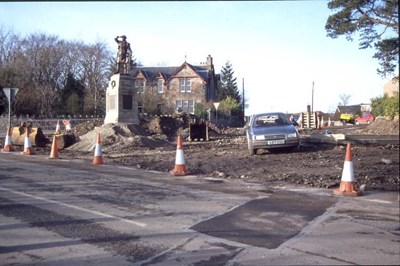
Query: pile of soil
{"type": "Point", "coordinates": [382, 126]}
{"type": "Point", "coordinates": [120, 138]}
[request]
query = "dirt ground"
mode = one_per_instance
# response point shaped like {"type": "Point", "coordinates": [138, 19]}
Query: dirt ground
{"type": "Point", "coordinates": [153, 146]}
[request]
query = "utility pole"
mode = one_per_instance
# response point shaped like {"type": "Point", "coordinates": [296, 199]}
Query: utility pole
{"type": "Point", "coordinates": [312, 98]}
{"type": "Point", "coordinates": [243, 95]}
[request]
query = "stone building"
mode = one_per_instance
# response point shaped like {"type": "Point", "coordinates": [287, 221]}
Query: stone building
{"type": "Point", "coordinates": [391, 87]}
{"type": "Point", "coordinates": [175, 89]}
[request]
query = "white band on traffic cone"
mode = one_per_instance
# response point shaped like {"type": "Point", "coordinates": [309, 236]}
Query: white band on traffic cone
{"type": "Point", "coordinates": [348, 172]}
{"type": "Point", "coordinates": [97, 150]}
{"type": "Point", "coordinates": [179, 160]}
{"type": "Point", "coordinates": [7, 141]}
{"type": "Point", "coordinates": [27, 142]}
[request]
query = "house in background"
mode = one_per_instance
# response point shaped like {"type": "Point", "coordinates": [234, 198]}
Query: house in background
{"type": "Point", "coordinates": [357, 109]}
{"type": "Point", "coordinates": [174, 89]}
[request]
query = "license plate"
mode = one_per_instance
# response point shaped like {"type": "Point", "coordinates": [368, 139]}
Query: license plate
{"type": "Point", "coordinates": [275, 142]}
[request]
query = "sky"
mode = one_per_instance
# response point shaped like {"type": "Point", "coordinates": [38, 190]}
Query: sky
{"type": "Point", "coordinates": [278, 49]}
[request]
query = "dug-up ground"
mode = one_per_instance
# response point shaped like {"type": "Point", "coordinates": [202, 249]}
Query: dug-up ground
{"type": "Point", "coordinates": [152, 145]}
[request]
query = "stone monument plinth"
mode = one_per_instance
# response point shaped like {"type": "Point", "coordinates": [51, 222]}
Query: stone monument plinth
{"type": "Point", "coordinates": [121, 100]}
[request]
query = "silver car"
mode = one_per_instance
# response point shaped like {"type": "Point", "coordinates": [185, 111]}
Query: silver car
{"type": "Point", "coordinates": [271, 131]}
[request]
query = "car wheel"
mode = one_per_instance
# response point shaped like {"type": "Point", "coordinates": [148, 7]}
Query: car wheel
{"type": "Point", "coordinates": [297, 148]}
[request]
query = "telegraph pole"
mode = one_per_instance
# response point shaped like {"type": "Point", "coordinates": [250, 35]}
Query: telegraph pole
{"type": "Point", "coordinates": [243, 95]}
{"type": "Point", "coordinates": [312, 98]}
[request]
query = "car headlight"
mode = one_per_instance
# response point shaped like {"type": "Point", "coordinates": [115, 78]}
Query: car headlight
{"type": "Point", "coordinates": [259, 137]}
{"type": "Point", "coordinates": [292, 135]}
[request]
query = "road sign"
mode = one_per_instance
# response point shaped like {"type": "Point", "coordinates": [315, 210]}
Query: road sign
{"type": "Point", "coordinates": [10, 93]}
{"type": "Point", "coordinates": [216, 105]}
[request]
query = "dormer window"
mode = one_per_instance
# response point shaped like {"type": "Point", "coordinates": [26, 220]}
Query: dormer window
{"type": "Point", "coordinates": [160, 86]}
{"type": "Point", "coordinates": [184, 85]}
{"type": "Point", "coordinates": [139, 85]}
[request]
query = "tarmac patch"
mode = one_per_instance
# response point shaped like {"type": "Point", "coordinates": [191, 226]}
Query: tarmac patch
{"type": "Point", "coordinates": [267, 222]}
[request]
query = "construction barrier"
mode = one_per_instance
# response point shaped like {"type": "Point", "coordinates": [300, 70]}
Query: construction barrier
{"type": "Point", "coordinates": [198, 131]}
{"type": "Point", "coordinates": [36, 136]}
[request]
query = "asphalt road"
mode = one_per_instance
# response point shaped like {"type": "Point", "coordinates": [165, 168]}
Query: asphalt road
{"type": "Point", "coordinates": [66, 212]}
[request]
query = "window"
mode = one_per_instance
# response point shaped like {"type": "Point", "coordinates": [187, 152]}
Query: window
{"type": "Point", "coordinates": [178, 106]}
{"type": "Point", "coordinates": [187, 85]}
{"type": "Point", "coordinates": [191, 107]}
{"type": "Point", "coordinates": [160, 86]}
{"type": "Point", "coordinates": [185, 106]}
{"type": "Point", "coordinates": [184, 85]}
{"type": "Point", "coordinates": [139, 85]}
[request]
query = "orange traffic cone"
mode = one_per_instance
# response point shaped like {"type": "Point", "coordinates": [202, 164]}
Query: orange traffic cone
{"type": "Point", "coordinates": [98, 159]}
{"type": "Point", "coordinates": [179, 168]}
{"type": "Point", "coordinates": [318, 125]}
{"type": "Point", "coordinates": [347, 186]}
{"type": "Point", "coordinates": [7, 142]}
{"type": "Point", "coordinates": [57, 132]}
{"type": "Point", "coordinates": [27, 144]}
{"type": "Point", "coordinates": [54, 149]}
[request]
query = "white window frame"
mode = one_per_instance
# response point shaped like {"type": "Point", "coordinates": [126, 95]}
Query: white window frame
{"type": "Point", "coordinates": [139, 85]}
{"type": "Point", "coordinates": [185, 85]}
{"type": "Point", "coordinates": [188, 85]}
{"type": "Point", "coordinates": [160, 86]}
{"type": "Point", "coordinates": [185, 105]}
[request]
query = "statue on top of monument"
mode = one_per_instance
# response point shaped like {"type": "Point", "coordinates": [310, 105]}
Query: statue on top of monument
{"type": "Point", "coordinates": [124, 55]}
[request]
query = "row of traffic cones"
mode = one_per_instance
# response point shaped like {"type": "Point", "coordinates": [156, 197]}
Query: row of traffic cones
{"type": "Point", "coordinates": [321, 122]}
{"type": "Point", "coordinates": [27, 143]}
{"type": "Point", "coordinates": [347, 186]}
{"type": "Point", "coordinates": [54, 146]}
{"type": "Point", "coordinates": [179, 169]}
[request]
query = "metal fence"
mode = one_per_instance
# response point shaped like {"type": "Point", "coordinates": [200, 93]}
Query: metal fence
{"type": "Point", "coordinates": [44, 123]}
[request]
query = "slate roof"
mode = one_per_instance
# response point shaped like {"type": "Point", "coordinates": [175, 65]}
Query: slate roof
{"type": "Point", "coordinates": [352, 109]}
{"type": "Point", "coordinates": [151, 72]}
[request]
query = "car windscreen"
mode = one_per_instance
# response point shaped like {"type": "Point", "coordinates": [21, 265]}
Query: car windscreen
{"type": "Point", "coordinates": [270, 121]}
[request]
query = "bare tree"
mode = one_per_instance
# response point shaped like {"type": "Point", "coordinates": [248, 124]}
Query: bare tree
{"type": "Point", "coordinates": [39, 65]}
{"type": "Point", "coordinates": [344, 99]}
{"type": "Point", "coordinates": [95, 62]}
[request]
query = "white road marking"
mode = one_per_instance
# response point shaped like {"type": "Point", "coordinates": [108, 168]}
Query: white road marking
{"type": "Point", "coordinates": [379, 201]}
{"type": "Point", "coordinates": [74, 207]}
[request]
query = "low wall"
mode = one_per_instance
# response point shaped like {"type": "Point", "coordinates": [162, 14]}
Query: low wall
{"type": "Point", "coordinates": [43, 123]}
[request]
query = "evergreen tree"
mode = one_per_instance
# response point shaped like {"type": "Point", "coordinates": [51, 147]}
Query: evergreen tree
{"type": "Point", "coordinates": [376, 22]}
{"type": "Point", "coordinates": [228, 86]}
{"type": "Point", "coordinates": [73, 96]}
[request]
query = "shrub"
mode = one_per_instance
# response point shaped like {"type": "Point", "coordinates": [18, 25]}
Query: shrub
{"type": "Point", "coordinates": [386, 106]}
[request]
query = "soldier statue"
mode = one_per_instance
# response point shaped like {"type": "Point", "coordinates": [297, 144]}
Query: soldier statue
{"type": "Point", "coordinates": [124, 55]}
